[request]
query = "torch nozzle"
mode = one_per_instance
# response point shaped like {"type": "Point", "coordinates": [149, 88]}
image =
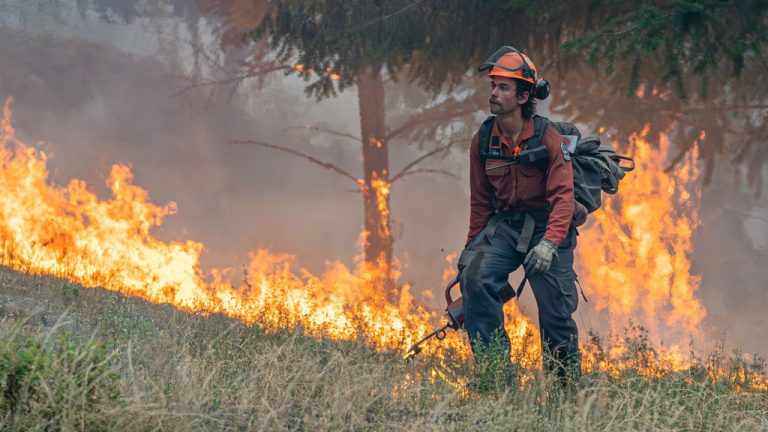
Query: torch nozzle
{"type": "Point", "coordinates": [412, 352]}
{"type": "Point", "coordinates": [416, 349]}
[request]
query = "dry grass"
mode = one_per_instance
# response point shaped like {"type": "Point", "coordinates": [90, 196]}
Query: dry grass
{"type": "Point", "coordinates": [116, 363]}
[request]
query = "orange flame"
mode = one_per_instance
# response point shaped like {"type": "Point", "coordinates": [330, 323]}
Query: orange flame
{"type": "Point", "coordinates": [381, 188]}
{"type": "Point", "coordinates": [328, 71]}
{"type": "Point", "coordinates": [637, 262]}
{"type": "Point", "coordinates": [70, 232]}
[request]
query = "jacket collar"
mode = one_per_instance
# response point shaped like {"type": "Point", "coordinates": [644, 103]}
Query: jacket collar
{"type": "Point", "coordinates": [526, 133]}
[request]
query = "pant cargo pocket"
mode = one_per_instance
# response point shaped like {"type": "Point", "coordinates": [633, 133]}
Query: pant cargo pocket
{"type": "Point", "coordinates": [569, 295]}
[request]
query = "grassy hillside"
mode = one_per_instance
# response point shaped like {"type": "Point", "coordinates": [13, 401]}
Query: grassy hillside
{"type": "Point", "coordinates": [86, 359]}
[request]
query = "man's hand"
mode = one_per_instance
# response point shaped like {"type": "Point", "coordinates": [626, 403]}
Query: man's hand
{"type": "Point", "coordinates": [539, 259]}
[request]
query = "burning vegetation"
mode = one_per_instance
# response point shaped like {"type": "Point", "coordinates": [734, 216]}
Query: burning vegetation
{"type": "Point", "coordinates": [67, 231]}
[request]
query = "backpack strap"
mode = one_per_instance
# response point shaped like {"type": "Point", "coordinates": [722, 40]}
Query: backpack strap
{"type": "Point", "coordinates": [485, 137]}
{"type": "Point", "coordinates": [485, 151]}
{"type": "Point", "coordinates": [491, 148]}
{"type": "Point", "coordinates": [539, 126]}
{"type": "Point", "coordinates": [535, 150]}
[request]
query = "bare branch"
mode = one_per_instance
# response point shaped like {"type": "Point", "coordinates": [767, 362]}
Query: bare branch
{"type": "Point", "coordinates": [255, 73]}
{"type": "Point", "coordinates": [420, 159]}
{"type": "Point", "coordinates": [443, 111]}
{"type": "Point", "coordinates": [328, 131]}
{"type": "Point", "coordinates": [245, 278]}
{"type": "Point", "coordinates": [431, 171]}
{"type": "Point", "coordinates": [684, 119]}
{"type": "Point", "coordinates": [678, 157]}
{"type": "Point", "coordinates": [326, 165]}
{"type": "Point", "coordinates": [382, 18]}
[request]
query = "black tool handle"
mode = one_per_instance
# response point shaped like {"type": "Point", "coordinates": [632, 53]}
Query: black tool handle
{"type": "Point", "coordinates": [451, 284]}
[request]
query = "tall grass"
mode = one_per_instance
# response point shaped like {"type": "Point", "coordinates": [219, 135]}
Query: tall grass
{"type": "Point", "coordinates": [117, 363]}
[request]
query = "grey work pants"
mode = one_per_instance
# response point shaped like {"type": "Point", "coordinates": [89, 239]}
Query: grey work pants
{"type": "Point", "coordinates": [485, 265]}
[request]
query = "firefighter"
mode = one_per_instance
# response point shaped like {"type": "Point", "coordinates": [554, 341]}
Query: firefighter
{"type": "Point", "coordinates": [520, 214]}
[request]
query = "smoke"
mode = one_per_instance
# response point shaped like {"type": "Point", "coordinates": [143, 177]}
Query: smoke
{"type": "Point", "coordinates": [732, 257]}
{"type": "Point", "coordinates": [93, 105]}
{"type": "Point", "coordinates": [98, 94]}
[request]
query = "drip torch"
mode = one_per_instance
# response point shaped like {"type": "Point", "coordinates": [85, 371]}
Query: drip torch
{"type": "Point", "coordinates": [454, 313]}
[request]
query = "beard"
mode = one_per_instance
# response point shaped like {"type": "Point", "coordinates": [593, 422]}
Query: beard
{"type": "Point", "coordinates": [498, 109]}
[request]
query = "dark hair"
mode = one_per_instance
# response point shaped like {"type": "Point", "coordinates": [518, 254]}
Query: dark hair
{"type": "Point", "coordinates": [529, 107]}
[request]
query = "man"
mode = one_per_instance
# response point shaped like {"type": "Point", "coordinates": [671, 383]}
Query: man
{"type": "Point", "coordinates": [520, 214]}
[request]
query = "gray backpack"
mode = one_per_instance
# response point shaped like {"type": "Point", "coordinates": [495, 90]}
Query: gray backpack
{"type": "Point", "coordinates": [596, 167]}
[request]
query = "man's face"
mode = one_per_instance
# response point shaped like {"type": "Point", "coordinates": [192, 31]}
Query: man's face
{"type": "Point", "coordinates": [504, 98]}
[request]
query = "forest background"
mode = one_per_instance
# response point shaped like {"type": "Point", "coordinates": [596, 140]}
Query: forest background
{"type": "Point", "coordinates": [167, 86]}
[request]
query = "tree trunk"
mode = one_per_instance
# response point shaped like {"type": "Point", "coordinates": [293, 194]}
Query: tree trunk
{"type": "Point", "coordinates": [378, 234]}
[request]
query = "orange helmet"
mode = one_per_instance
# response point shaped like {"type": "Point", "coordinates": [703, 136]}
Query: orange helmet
{"type": "Point", "coordinates": [510, 62]}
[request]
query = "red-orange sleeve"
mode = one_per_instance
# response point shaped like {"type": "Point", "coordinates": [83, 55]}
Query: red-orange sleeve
{"type": "Point", "coordinates": [480, 190]}
{"type": "Point", "coordinates": [559, 188]}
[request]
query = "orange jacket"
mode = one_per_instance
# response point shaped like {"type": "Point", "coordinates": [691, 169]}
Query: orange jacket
{"type": "Point", "coordinates": [522, 187]}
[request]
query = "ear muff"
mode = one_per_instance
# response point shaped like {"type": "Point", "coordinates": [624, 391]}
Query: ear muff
{"type": "Point", "coordinates": [542, 89]}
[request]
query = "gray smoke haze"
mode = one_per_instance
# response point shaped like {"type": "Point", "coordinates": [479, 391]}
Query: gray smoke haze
{"type": "Point", "coordinates": [731, 255]}
{"type": "Point", "coordinates": [99, 94]}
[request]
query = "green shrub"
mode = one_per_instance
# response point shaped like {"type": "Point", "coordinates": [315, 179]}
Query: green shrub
{"type": "Point", "coordinates": [56, 385]}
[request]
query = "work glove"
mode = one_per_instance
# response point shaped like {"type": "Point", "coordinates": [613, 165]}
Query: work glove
{"type": "Point", "coordinates": [539, 259]}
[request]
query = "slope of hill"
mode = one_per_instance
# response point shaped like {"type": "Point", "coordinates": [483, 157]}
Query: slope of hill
{"type": "Point", "coordinates": [73, 358]}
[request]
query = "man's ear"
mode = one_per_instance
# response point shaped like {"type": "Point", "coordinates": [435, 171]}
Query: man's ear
{"type": "Point", "coordinates": [523, 98]}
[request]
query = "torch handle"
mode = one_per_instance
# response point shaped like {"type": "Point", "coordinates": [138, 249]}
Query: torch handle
{"type": "Point", "coordinates": [451, 284]}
